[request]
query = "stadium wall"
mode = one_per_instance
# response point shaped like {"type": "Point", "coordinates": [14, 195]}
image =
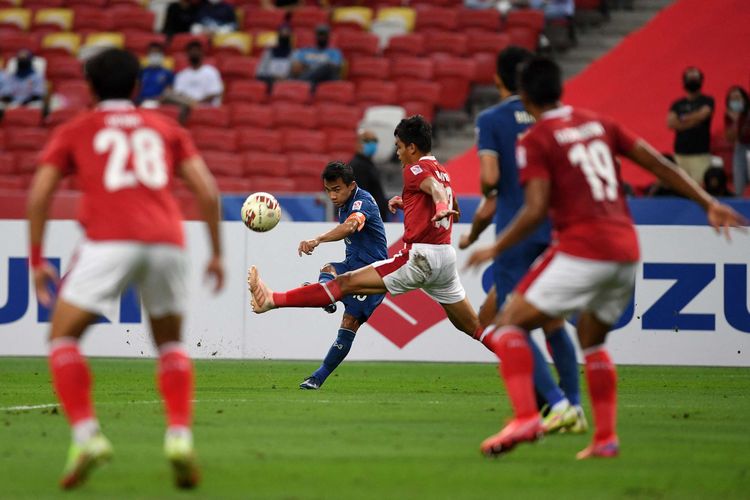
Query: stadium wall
{"type": "Point", "coordinates": [690, 306]}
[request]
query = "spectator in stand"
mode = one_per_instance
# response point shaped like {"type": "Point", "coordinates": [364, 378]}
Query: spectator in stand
{"type": "Point", "coordinates": [737, 130]}
{"type": "Point", "coordinates": [198, 83]}
{"type": "Point", "coordinates": [155, 81]}
{"type": "Point", "coordinates": [215, 16]}
{"type": "Point", "coordinates": [289, 4]}
{"type": "Point", "coordinates": [690, 118]}
{"type": "Point", "coordinates": [23, 86]}
{"type": "Point", "coordinates": [181, 16]}
{"type": "Point", "coordinates": [481, 4]}
{"type": "Point", "coordinates": [555, 9]}
{"type": "Point", "coordinates": [276, 62]}
{"type": "Point", "coordinates": [366, 172]}
{"type": "Point", "coordinates": [320, 63]}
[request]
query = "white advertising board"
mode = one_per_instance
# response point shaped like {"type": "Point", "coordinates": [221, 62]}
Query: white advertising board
{"type": "Point", "coordinates": [690, 308]}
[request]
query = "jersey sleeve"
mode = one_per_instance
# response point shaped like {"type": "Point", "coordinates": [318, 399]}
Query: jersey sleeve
{"type": "Point", "coordinates": [530, 158]}
{"type": "Point", "coordinates": [486, 143]}
{"type": "Point", "coordinates": [58, 152]}
{"type": "Point", "coordinates": [414, 175]}
{"type": "Point", "coordinates": [184, 147]}
{"type": "Point", "coordinates": [624, 140]}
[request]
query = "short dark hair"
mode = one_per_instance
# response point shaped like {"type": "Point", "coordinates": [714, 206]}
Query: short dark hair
{"type": "Point", "coordinates": [156, 45]}
{"type": "Point", "coordinates": [193, 44]}
{"type": "Point", "coordinates": [338, 170]}
{"type": "Point", "coordinates": [113, 74]}
{"type": "Point", "coordinates": [415, 130]}
{"type": "Point", "coordinates": [541, 79]}
{"type": "Point", "coordinates": [508, 62]}
{"type": "Point", "coordinates": [692, 68]}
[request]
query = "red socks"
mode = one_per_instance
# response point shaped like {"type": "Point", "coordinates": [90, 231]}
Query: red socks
{"type": "Point", "coordinates": [175, 374]}
{"type": "Point", "coordinates": [516, 367]}
{"type": "Point", "coordinates": [315, 295]}
{"type": "Point", "coordinates": [72, 379]}
{"type": "Point", "coordinates": [602, 381]}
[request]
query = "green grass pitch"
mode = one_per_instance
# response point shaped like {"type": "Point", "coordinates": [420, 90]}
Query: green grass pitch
{"type": "Point", "coordinates": [380, 431]}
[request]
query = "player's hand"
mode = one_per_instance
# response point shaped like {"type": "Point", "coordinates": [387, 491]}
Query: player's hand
{"type": "Point", "coordinates": [723, 217]}
{"type": "Point", "coordinates": [395, 203]}
{"type": "Point", "coordinates": [443, 214]}
{"type": "Point", "coordinates": [479, 257]}
{"type": "Point", "coordinates": [45, 276]}
{"type": "Point", "coordinates": [215, 272]}
{"type": "Point", "coordinates": [465, 241]}
{"type": "Point", "coordinates": [307, 246]}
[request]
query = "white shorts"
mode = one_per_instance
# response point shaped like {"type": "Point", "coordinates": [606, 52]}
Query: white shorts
{"type": "Point", "coordinates": [431, 268]}
{"type": "Point", "coordinates": [101, 271]}
{"type": "Point", "coordinates": [559, 284]}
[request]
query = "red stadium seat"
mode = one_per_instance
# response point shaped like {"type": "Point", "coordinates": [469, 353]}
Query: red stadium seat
{"type": "Point", "coordinates": [524, 36]}
{"type": "Point", "coordinates": [27, 162]}
{"type": "Point", "coordinates": [446, 42]}
{"type": "Point", "coordinates": [343, 141]}
{"type": "Point", "coordinates": [413, 68]}
{"type": "Point", "coordinates": [370, 68]}
{"type": "Point", "coordinates": [263, 19]}
{"type": "Point", "coordinates": [485, 67]}
{"type": "Point", "coordinates": [234, 184]}
{"type": "Point", "coordinates": [336, 92]}
{"type": "Point", "coordinates": [138, 41]}
{"type": "Point", "coordinates": [87, 3]}
{"type": "Point", "coordinates": [271, 184]}
{"type": "Point", "coordinates": [250, 91]}
{"type": "Point", "coordinates": [291, 91]}
{"type": "Point", "coordinates": [419, 108]}
{"type": "Point", "coordinates": [376, 91]}
{"type": "Point", "coordinates": [7, 163]}
{"type": "Point", "coordinates": [472, 20]}
{"type": "Point", "coordinates": [265, 164]}
{"type": "Point", "coordinates": [412, 44]}
{"type": "Point", "coordinates": [254, 115]}
{"type": "Point", "coordinates": [304, 141]}
{"type": "Point", "coordinates": [13, 41]}
{"type": "Point", "coordinates": [64, 67]}
{"type": "Point", "coordinates": [221, 163]}
{"type": "Point", "coordinates": [172, 112]}
{"type": "Point", "coordinates": [358, 44]}
{"type": "Point", "coordinates": [308, 17]}
{"type": "Point", "coordinates": [307, 165]}
{"type": "Point", "coordinates": [90, 18]}
{"type": "Point", "coordinates": [181, 40]}
{"type": "Point", "coordinates": [260, 140]}
{"type": "Point", "coordinates": [60, 116]}
{"type": "Point", "coordinates": [437, 18]}
{"type": "Point", "coordinates": [487, 42]}
{"type": "Point", "coordinates": [74, 93]}
{"type": "Point", "coordinates": [454, 76]}
{"type": "Point", "coordinates": [133, 18]}
{"type": "Point", "coordinates": [43, 4]}
{"type": "Point", "coordinates": [294, 115]}
{"type": "Point", "coordinates": [338, 117]}
{"type": "Point", "coordinates": [239, 67]}
{"type": "Point", "coordinates": [22, 117]}
{"type": "Point", "coordinates": [13, 182]}
{"type": "Point", "coordinates": [530, 18]}
{"type": "Point", "coordinates": [209, 116]}
{"type": "Point", "coordinates": [215, 139]}
{"type": "Point", "coordinates": [421, 91]}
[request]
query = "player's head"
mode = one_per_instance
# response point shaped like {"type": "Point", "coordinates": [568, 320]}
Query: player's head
{"type": "Point", "coordinates": [338, 181]}
{"type": "Point", "coordinates": [692, 79]}
{"type": "Point", "coordinates": [540, 83]}
{"type": "Point", "coordinates": [506, 70]}
{"type": "Point", "coordinates": [413, 139]}
{"type": "Point", "coordinates": [112, 74]}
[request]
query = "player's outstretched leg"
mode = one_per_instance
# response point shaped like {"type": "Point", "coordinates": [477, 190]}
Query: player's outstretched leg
{"type": "Point", "coordinates": [314, 295]}
{"type": "Point", "coordinates": [261, 297]}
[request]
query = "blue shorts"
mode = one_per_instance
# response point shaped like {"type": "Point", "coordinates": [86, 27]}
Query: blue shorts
{"type": "Point", "coordinates": [360, 307]}
{"type": "Point", "coordinates": [513, 265]}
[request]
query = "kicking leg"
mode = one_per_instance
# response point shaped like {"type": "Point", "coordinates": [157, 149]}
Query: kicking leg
{"type": "Point", "coordinates": [463, 317]}
{"type": "Point", "coordinates": [336, 354]}
{"type": "Point", "coordinates": [488, 310]}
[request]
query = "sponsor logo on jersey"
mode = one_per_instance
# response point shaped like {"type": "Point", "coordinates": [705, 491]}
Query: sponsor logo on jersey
{"type": "Point", "coordinates": [357, 205]}
{"type": "Point", "coordinates": [416, 170]}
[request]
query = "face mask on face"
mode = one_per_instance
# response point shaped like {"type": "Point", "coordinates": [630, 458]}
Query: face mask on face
{"type": "Point", "coordinates": [369, 149]}
{"type": "Point", "coordinates": [24, 65]}
{"type": "Point", "coordinates": [155, 59]}
{"type": "Point", "coordinates": [736, 105]}
{"type": "Point", "coordinates": [195, 59]}
{"type": "Point", "coordinates": [692, 85]}
{"type": "Point", "coordinates": [322, 42]}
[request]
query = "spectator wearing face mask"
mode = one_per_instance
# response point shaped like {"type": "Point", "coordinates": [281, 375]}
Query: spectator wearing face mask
{"type": "Point", "coordinates": [199, 83]}
{"type": "Point", "coordinates": [690, 118]}
{"type": "Point", "coordinates": [23, 85]}
{"type": "Point", "coordinates": [737, 130]}
{"type": "Point", "coordinates": [366, 173]}
{"type": "Point", "coordinates": [155, 81]}
{"type": "Point", "coordinates": [215, 16]}
{"type": "Point", "coordinates": [276, 62]}
{"type": "Point", "coordinates": [320, 63]}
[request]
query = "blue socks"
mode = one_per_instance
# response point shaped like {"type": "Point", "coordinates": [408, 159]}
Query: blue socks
{"type": "Point", "coordinates": [564, 356]}
{"type": "Point", "coordinates": [336, 353]}
{"type": "Point", "coordinates": [543, 380]}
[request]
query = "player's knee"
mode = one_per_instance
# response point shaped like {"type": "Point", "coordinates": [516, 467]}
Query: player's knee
{"type": "Point", "coordinates": [345, 283]}
{"type": "Point", "coordinates": [328, 268]}
{"type": "Point", "coordinates": [349, 322]}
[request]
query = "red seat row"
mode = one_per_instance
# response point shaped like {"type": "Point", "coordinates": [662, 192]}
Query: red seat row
{"type": "Point", "coordinates": [288, 140]}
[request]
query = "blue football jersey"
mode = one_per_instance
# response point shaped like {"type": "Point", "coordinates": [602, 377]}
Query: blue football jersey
{"type": "Point", "coordinates": [369, 244]}
{"type": "Point", "coordinates": [498, 129]}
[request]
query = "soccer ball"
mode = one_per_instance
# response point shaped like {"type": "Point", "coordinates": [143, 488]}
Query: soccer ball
{"type": "Point", "coordinates": [261, 212]}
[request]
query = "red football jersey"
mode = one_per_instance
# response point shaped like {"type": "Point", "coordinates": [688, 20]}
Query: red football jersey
{"type": "Point", "coordinates": [419, 209]}
{"type": "Point", "coordinates": [124, 159]}
{"type": "Point", "coordinates": [575, 150]}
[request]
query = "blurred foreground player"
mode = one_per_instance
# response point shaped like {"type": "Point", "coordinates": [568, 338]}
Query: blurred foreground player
{"type": "Point", "coordinates": [124, 159]}
{"type": "Point", "coordinates": [567, 164]}
{"type": "Point", "coordinates": [361, 228]}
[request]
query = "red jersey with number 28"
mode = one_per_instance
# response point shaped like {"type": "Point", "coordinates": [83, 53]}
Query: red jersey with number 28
{"type": "Point", "coordinates": [575, 150]}
{"type": "Point", "coordinates": [419, 209]}
{"type": "Point", "coordinates": [124, 160]}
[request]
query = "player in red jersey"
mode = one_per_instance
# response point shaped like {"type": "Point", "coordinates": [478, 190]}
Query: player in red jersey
{"type": "Point", "coordinates": [568, 167]}
{"type": "Point", "coordinates": [427, 262]}
{"type": "Point", "coordinates": [124, 160]}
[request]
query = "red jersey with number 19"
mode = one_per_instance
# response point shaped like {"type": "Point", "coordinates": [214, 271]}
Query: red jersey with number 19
{"type": "Point", "coordinates": [419, 209]}
{"type": "Point", "coordinates": [124, 160]}
{"type": "Point", "coordinates": [575, 150]}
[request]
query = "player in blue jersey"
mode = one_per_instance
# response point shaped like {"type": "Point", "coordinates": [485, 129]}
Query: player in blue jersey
{"type": "Point", "coordinates": [498, 128]}
{"type": "Point", "coordinates": [361, 228]}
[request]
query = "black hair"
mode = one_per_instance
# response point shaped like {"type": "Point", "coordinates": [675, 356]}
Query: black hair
{"type": "Point", "coordinates": [541, 80]}
{"type": "Point", "coordinates": [508, 62]}
{"type": "Point", "coordinates": [156, 45]}
{"type": "Point", "coordinates": [193, 44]}
{"type": "Point", "coordinates": [743, 93]}
{"type": "Point", "coordinates": [338, 170]}
{"type": "Point", "coordinates": [415, 130]}
{"type": "Point", "coordinates": [692, 68]}
{"type": "Point", "coordinates": [113, 74]}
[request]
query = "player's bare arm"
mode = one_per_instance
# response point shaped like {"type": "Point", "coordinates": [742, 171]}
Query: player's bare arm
{"type": "Point", "coordinates": [40, 194]}
{"type": "Point", "coordinates": [528, 218]}
{"type": "Point", "coordinates": [202, 184]}
{"type": "Point", "coordinates": [338, 233]}
{"type": "Point", "coordinates": [395, 204]}
{"type": "Point", "coordinates": [489, 173]}
{"type": "Point", "coordinates": [719, 215]}
{"type": "Point", "coordinates": [482, 219]}
{"type": "Point", "coordinates": [440, 197]}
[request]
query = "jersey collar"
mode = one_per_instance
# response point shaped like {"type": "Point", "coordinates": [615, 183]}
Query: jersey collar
{"type": "Point", "coordinates": [510, 98]}
{"type": "Point", "coordinates": [561, 112]}
{"type": "Point", "coordinates": [429, 158]}
{"type": "Point", "coordinates": [115, 105]}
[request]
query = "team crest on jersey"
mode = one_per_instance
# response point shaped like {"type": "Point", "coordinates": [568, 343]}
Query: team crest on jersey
{"type": "Point", "coordinates": [357, 205]}
{"type": "Point", "coordinates": [416, 170]}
